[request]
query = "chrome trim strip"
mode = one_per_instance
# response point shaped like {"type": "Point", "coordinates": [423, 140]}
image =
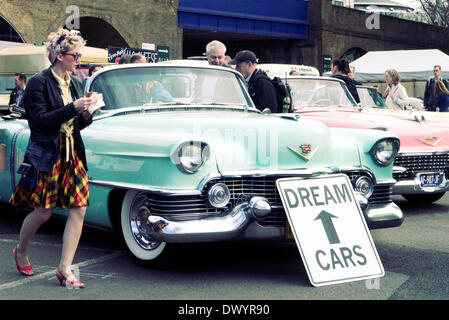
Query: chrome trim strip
{"type": "Point", "coordinates": [417, 154]}
{"type": "Point", "coordinates": [12, 158]}
{"type": "Point", "coordinates": [140, 187]}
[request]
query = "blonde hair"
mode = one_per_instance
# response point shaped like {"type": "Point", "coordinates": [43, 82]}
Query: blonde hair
{"type": "Point", "coordinates": [395, 76]}
{"type": "Point", "coordinates": [440, 87]}
{"type": "Point", "coordinates": [63, 41]}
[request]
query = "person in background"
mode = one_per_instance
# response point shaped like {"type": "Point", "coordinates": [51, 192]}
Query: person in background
{"type": "Point", "coordinates": [54, 170]}
{"type": "Point", "coordinates": [124, 59]}
{"type": "Point", "coordinates": [92, 69]}
{"type": "Point", "coordinates": [216, 53]}
{"type": "Point", "coordinates": [340, 70]}
{"type": "Point", "coordinates": [228, 62]}
{"type": "Point", "coordinates": [395, 95]}
{"type": "Point", "coordinates": [441, 97]}
{"type": "Point", "coordinates": [260, 88]}
{"type": "Point", "coordinates": [429, 92]}
{"type": "Point", "coordinates": [16, 96]}
{"type": "Point", "coordinates": [138, 58]}
{"type": "Point", "coordinates": [352, 76]}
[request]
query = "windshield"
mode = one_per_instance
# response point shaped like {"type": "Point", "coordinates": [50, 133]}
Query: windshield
{"type": "Point", "coordinates": [370, 98]}
{"type": "Point", "coordinates": [156, 86]}
{"type": "Point", "coordinates": [319, 93]}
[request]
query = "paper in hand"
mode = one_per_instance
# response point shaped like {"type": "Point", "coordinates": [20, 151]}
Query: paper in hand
{"type": "Point", "coordinates": [100, 103]}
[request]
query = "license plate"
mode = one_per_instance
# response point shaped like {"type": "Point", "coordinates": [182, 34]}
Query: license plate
{"type": "Point", "coordinates": [430, 179]}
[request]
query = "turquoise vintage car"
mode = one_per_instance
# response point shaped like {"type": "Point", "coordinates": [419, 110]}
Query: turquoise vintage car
{"type": "Point", "coordinates": [180, 154]}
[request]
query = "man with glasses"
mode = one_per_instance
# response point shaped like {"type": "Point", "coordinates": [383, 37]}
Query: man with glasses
{"type": "Point", "coordinates": [429, 93]}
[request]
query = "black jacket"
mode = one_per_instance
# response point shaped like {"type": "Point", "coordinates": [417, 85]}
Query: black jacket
{"type": "Point", "coordinates": [351, 86]}
{"type": "Point", "coordinates": [262, 91]}
{"type": "Point", "coordinates": [45, 112]}
{"type": "Point", "coordinates": [429, 96]}
{"type": "Point", "coordinates": [14, 96]}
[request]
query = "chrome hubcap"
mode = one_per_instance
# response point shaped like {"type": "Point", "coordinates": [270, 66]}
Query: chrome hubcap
{"type": "Point", "coordinates": [138, 221]}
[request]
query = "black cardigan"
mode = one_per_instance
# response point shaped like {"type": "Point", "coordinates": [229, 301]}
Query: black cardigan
{"type": "Point", "coordinates": [45, 112]}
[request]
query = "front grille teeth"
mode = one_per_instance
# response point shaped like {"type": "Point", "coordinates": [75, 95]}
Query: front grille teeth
{"type": "Point", "coordinates": [421, 163]}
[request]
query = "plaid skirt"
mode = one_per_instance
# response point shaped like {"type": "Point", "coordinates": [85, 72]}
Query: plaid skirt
{"type": "Point", "coordinates": [66, 186]}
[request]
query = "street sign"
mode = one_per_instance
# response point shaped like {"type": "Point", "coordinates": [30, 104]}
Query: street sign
{"type": "Point", "coordinates": [330, 230]}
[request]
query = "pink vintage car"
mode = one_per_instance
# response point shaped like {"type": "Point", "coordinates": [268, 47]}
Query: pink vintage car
{"type": "Point", "coordinates": [422, 165]}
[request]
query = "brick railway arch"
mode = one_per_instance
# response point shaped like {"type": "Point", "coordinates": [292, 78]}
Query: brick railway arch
{"type": "Point", "coordinates": [8, 32]}
{"type": "Point", "coordinates": [99, 33]}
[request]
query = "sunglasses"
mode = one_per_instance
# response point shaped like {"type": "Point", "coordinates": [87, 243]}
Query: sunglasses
{"type": "Point", "coordinates": [75, 56]}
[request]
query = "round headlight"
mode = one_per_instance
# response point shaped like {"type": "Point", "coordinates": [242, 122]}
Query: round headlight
{"type": "Point", "coordinates": [384, 152]}
{"type": "Point", "coordinates": [365, 186]}
{"type": "Point", "coordinates": [191, 156]}
{"type": "Point", "coordinates": [219, 195]}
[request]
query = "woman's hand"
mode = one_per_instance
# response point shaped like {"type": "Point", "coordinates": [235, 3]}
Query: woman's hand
{"type": "Point", "coordinates": [82, 104]}
{"type": "Point", "coordinates": [391, 95]}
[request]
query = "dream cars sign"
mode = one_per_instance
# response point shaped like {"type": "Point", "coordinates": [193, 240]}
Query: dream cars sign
{"type": "Point", "coordinates": [329, 229]}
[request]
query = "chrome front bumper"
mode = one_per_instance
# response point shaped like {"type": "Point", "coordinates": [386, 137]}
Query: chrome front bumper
{"type": "Point", "coordinates": [413, 187]}
{"type": "Point", "coordinates": [241, 222]}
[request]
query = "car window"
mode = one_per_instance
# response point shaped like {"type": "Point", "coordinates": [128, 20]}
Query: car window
{"type": "Point", "coordinates": [154, 86]}
{"type": "Point", "coordinates": [319, 93]}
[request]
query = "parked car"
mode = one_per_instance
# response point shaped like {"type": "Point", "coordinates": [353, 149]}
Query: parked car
{"type": "Point", "coordinates": [420, 168]}
{"type": "Point", "coordinates": [179, 153]}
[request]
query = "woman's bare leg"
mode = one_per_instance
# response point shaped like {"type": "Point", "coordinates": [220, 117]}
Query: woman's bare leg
{"type": "Point", "coordinates": [70, 239]}
{"type": "Point", "coordinates": [30, 225]}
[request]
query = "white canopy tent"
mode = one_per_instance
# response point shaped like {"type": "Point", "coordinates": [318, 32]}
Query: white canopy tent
{"type": "Point", "coordinates": [413, 65]}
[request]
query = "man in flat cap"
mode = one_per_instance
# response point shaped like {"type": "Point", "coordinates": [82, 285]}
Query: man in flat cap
{"type": "Point", "coordinates": [260, 88]}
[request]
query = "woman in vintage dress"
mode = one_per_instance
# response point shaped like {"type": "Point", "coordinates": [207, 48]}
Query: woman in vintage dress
{"type": "Point", "coordinates": [54, 169]}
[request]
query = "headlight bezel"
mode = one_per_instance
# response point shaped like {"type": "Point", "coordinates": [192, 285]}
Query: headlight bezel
{"type": "Point", "coordinates": [190, 156]}
{"type": "Point", "coordinates": [379, 151]}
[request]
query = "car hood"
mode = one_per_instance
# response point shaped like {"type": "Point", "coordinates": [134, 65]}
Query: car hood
{"type": "Point", "coordinates": [238, 140]}
{"type": "Point", "coordinates": [415, 134]}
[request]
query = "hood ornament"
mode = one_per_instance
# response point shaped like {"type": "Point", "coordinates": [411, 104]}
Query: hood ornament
{"type": "Point", "coordinates": [431, 141]}
{"type": "Point", "coordinates": [306, 152]}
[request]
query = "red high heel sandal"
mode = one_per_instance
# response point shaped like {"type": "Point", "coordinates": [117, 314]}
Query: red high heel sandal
{"type": "Point", "coordinates": [26, 271]}
{"type": "Point", "coordinates": [73, 284]}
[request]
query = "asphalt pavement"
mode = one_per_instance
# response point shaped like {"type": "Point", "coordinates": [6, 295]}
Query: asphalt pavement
{"type": "Point", "coordinates": [415, 257]}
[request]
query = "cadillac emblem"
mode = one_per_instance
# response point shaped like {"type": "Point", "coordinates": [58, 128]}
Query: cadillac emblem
{"type": "Point", "coordinates": [431, 141]}
{"type": "Point", "coordinates": [306, 152]}
{"type": "Point", "coordinates": [306, 148]}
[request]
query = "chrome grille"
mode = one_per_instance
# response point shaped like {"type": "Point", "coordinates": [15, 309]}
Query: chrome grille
{"type": "Point", "coordinates": [242, 188]}
{"type": "Point", "coordinates": [181, 207]}
{"type": "Point", "coordinates": [421, 163]}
